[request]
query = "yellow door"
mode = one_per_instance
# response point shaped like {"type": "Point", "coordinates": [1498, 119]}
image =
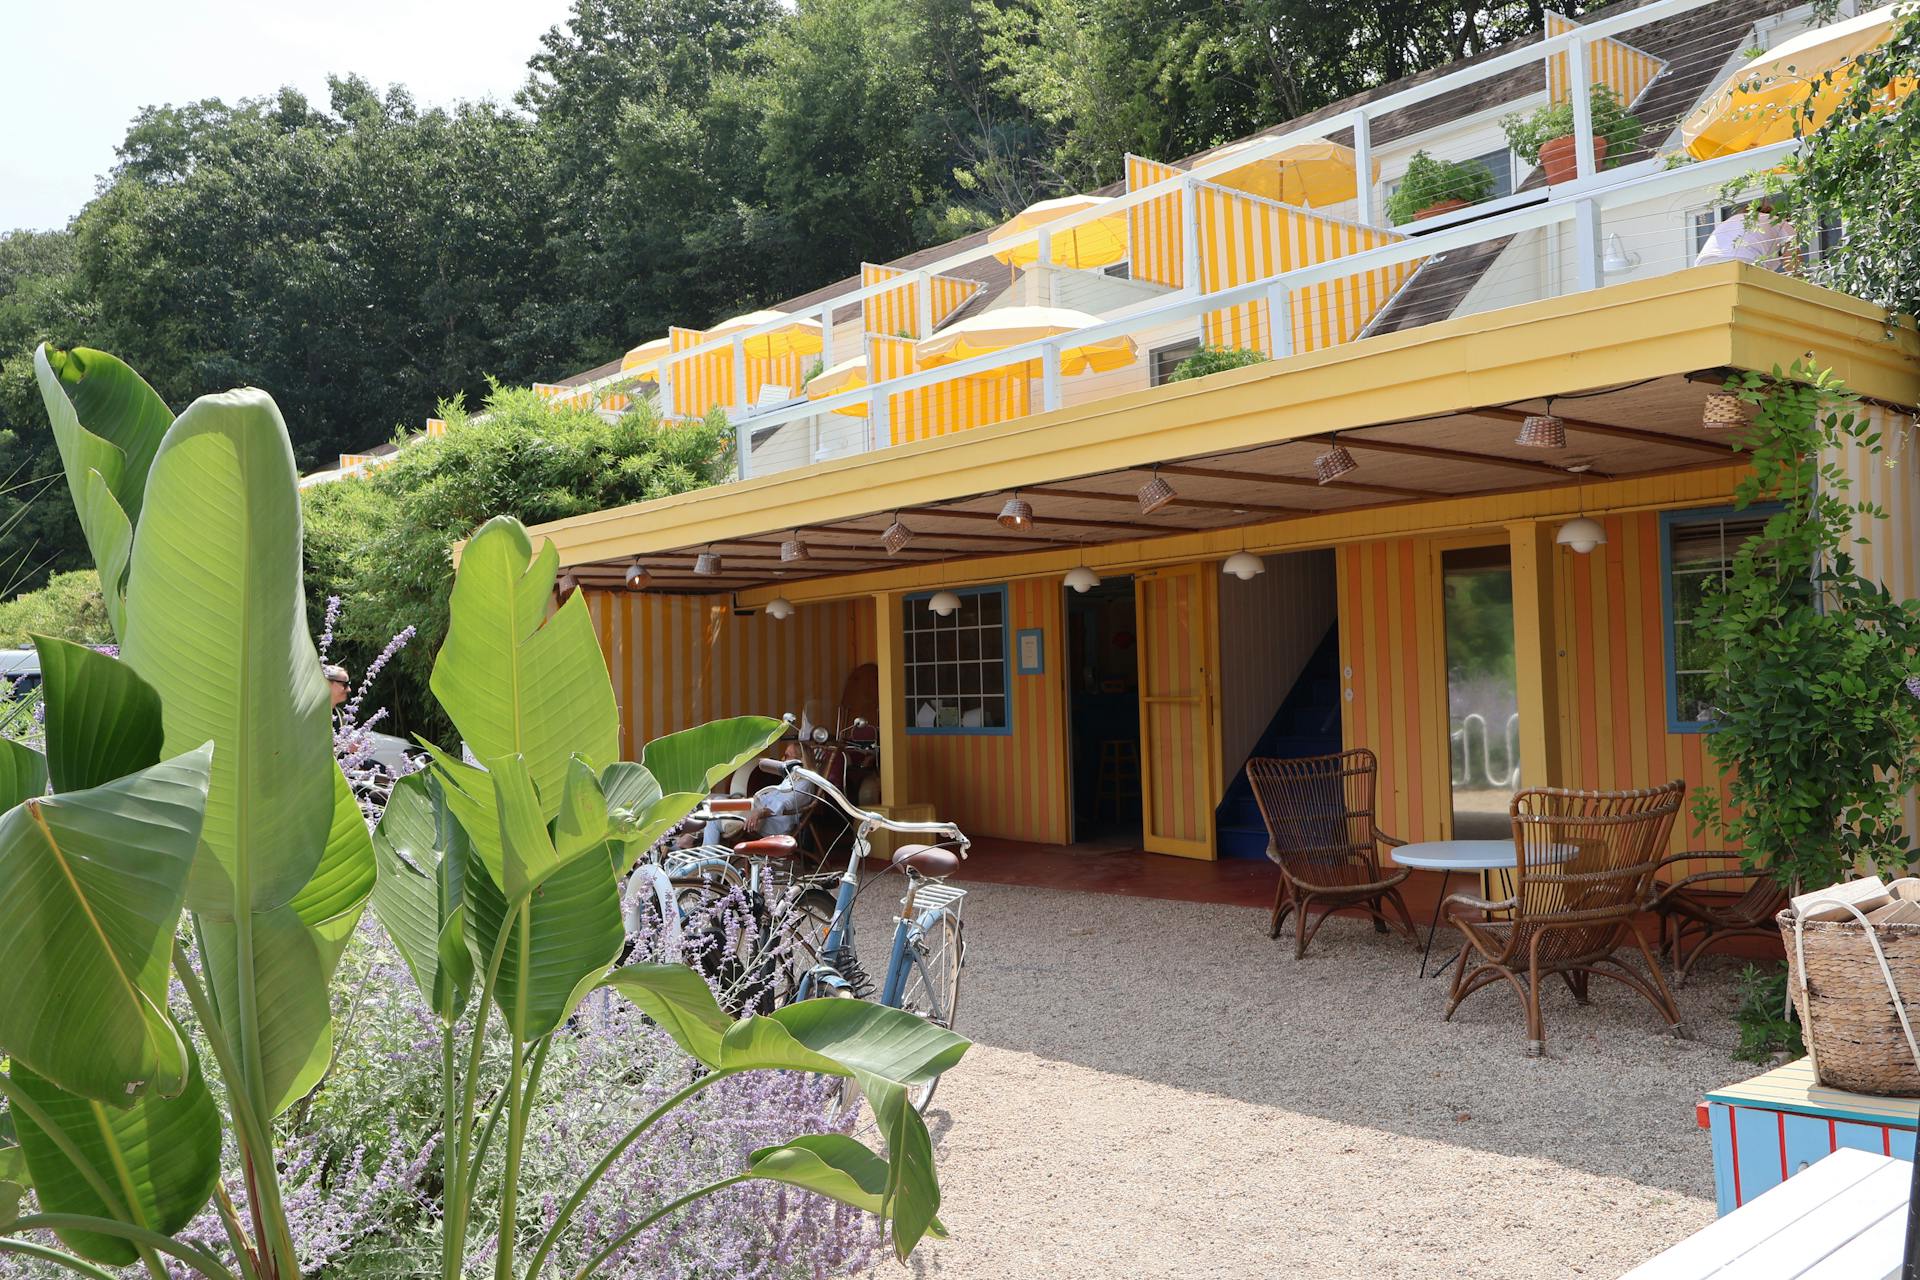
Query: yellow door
{"type": "Point", "coordinates": [1175, 612]}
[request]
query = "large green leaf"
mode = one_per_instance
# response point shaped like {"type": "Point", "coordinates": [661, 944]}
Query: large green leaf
{"type": "Point", "coordinates": [421, 851]}
{"type": "Point", "coordinates": [91, 885]}
{"type": "Point", "coordinates": [103, 720]}
{"type": "Point", "coordinates": [216, 623]}
{"type": "Point", "coordinates": [637, 814]}
{"type": "Point", "coordinates": [695, 759]}
{"type": "Point", "coordinates": [832, 1165]}
{"type": "Point", "coordinates": [161, 1156]}
{"type": "Point", "coordinates": [295, 951]}
{"type": "Point", "coordinates": [566, 930]}
{"type": "Point", "coordinates": [515, 681]}
{"type": "Point", "coordinates": [23, 773]}
{"type": "Point", "coordinates": [107, 423]}
{"type": "Point", "coordinates": [883, 1049]}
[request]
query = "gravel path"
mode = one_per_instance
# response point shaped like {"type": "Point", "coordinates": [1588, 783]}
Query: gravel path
{"type": "Point", "coordinates": [1159, 1091]}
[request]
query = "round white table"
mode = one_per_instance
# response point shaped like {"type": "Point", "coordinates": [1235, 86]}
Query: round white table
{"type": "Point", "coordinates": [1449, 856]}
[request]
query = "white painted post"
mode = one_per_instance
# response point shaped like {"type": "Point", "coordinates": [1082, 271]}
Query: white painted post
{"type": "Point", "coordinates": [1579, 84]}
{"type": "Point", "coordinates": [1363, 166]}
{"type": "Point", "coordinates": [923, 303]}
{"type": "Point", "coordinates": [1190, 237]}
{"type": "Point", "coordinates": [1279, 320]}
{"type": "Point", "coordinates": [743, 445]}
{"type": "Point", "coordinates": [1050, 377]}
{"type": "Point", "coordinates": [740, 375]}
{"type": "Point", "coordinates": [1586, 245]}
{"type": "Point", "coordinates": [826, 335]}
{"type": "Point", "coordinates": [666, 387]}
{"type": "Point", "coordinates": [879, 428]}
{"type": "Point", "coordinates": [1043, 268]}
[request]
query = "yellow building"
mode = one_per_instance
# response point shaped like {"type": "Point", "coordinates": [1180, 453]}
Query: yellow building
{"type": "Point", "coordinates": [1415, 582]}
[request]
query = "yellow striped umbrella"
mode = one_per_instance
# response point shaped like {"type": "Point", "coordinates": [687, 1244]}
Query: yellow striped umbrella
{"type": "Point", "coordinates": [645, 358]}
{"type": "Point", "coordinates": [1310, 174]}
{"type": "Point", "coordinates": [1755, 106]}
{"type": "Point", "coordinates": [801, 336]}
{"type": "Point", "coordinates": [1010, 326]}
{"type": "Point", "coordinates": [1097, 243]}
{"type": "Point", "coordinates": [848, 375]}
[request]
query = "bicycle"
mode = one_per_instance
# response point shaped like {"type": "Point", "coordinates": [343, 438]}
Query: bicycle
{"type": "Point", "coordinates": [928, 950]}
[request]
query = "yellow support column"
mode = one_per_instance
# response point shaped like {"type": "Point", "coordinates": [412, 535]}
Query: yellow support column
{"type": "Point", "coordinates": [1536, 654]}
{"type": "Point", "coordinates": [888, 657]}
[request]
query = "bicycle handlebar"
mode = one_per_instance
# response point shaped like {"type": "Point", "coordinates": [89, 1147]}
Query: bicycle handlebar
{"type": "Point", "coordinates": [790, 769]}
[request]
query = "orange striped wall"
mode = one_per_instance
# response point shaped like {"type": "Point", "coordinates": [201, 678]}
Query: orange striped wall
{"type": "Point", "coordinates": [705, 381]}
{"type": "Point", "coordinates": [1009, 785]}
{"type": "Point", "coordinates": [1393, 686]}
{"type": "Point", "coordinates": [957, 404]}
{"type": "Point", "coordinates": [679, 661]}
{"type": "Point", "coordinates": [896, 312]}
{"type": "Point", "coordinates": [1626, 69]}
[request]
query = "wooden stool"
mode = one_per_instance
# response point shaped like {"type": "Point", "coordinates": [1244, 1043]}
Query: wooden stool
{"type": "Point", "coordinates": [1119, 780]}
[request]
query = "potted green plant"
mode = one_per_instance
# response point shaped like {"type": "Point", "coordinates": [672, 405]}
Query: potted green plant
{"type": "Point", "coordinates": [1544, 136]}
{"type": "Point", "coordinates": [1431, 186]}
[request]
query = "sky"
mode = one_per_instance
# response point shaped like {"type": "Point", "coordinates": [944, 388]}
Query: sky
{"type": "Point", "coordinates": [73, 77]}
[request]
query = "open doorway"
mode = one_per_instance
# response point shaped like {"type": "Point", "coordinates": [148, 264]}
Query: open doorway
{"type": "Point", "coordinates": [1103, 713]}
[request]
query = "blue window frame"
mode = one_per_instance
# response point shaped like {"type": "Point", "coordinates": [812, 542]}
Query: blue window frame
{"type": "Point", "coordinates": [1696, 550]}
{"type": "Point", "coordinates": [955, 669]}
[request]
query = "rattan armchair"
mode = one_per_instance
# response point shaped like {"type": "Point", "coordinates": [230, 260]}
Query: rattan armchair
{"type": "Point", "coordinates": [1683, 909]}
{"type": "Point", "coordinates": [1584, 861]}
{"type": "Point", "coordinates": [1321, 834]}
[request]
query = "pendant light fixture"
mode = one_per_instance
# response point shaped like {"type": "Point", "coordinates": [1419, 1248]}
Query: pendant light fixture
{"type": "Point", "coordinates": [1723, 411]}
{"type": "Point", "coordinates": [896, 536]}
{"type": "Point", "coordinates": [637, 576]}
{"type": "Point", "coordinates": [1155, 494]}
{"type": "Point", "coordinates": [1542, 430]}
{"type": "Point", "coordinates": [1244, 565]}
{"type": "Point", "coordinates": [1017, 514]}
{"type": "Point", "coordinates": [793, 549]}
{"type": "Point", "coordinates": [780, 608]}
{"type": "Point", "coordinates": [1582, 533]}
{"type": "Point", "coordinates": [1333, 464]}
{"type": "Point", "coordinates": [944, 603]}
{"type": "Point", "coordinates": [707, 564]}
{"type": "Point", "coordinates": [1081, 579]}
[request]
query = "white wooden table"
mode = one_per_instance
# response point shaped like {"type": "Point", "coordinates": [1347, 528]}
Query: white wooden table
{"type": "Point", "coordinates": [1843, 1218]}
{"type": "Point", "coordinates": [1450, 856]}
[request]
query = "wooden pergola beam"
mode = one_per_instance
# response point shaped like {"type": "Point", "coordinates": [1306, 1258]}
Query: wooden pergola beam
{"type": "Point", "coordinates": [1293, 482]}
{"type": "Point", "coordinates": [1639, 435]}
{"type": "Point", "coordinates": [1178, 500]}
{"type": "Point", "coordinates": [1455, 455]}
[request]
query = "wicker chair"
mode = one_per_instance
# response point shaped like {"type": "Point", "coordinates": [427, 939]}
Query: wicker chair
{"type": "Point", "coordinates": [1683, 910]}
{"type": "Point", "coordinates": [1320, 831]}
{"type": "Point", "coordinates": [1584, 862]}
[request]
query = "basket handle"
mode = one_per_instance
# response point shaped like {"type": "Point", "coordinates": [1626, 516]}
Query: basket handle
{"type": "Point", "coordinates": [1886, 972]}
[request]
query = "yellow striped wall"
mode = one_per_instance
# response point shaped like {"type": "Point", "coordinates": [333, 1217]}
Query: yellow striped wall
{"type": "Point", "coordinates": [897, 311]}
{"type": "Point", "coordinates": [957, 404]}
{"type": "Point", "coordinates": [1015, 785]}
{"type": "Point", "coordinates": [679, 661]}
{"type": "Point", "coordinates": [1154, 232]}
{"type": "Point", "coordinates": [1245, 238]}
{"type": "Point", "coordinates": [1626, 69]}
{"type": "Point", "coordinates": [702, 382]}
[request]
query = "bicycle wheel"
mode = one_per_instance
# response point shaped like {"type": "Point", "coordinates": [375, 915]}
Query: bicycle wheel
{"type": "Point", "coordinates": [932, 986]}
{"type": "Point", "coordinates": [798, 935]}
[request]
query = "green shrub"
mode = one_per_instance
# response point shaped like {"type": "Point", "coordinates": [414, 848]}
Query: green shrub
{"type": "Point", "coordinates": [69, 607]}
{"type": "Point", "coordinates": [1428, 182]}
{"type": "Point", "coordinates": [1526, 134]}
{"type": "Point", "coordinates": [1767, 1025]}
{"type": "Point", "coordinates": [382, 542]}
{"type": "Point", "coordinates": [1214, 360]}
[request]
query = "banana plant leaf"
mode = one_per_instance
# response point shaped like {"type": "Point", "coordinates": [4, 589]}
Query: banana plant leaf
{"type": "Point", "coordinates": [832, 1165]}
{"type": "Point", "coordinates": [162, 1153]}
{"type": "Point", "coordinates": [23, 773]}
{"type": "Point", "coordinates": [884, 1050]}
{"type": "Point", "coordinates": [216, 623]}
{"type": "Point", "coordinates": [91, 886]}
{"type": "Point", "coordinates": [107, 424]}
{"type": "Point", "coordinates": [103, 720]}
{"type": "Point", "coordinates": [515, 681]}
{"type": "Point", "coordinates": [697, 758]}
{"type": "Point", "coordinates": [421, 852]}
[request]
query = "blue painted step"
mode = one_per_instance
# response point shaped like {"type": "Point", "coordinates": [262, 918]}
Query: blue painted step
{"type": "Point", "coordinates": [1307, 723]}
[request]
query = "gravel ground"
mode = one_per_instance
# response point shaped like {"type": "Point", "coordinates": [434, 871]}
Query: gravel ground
{"type": "Point", "coordinates": [1158, 1090]}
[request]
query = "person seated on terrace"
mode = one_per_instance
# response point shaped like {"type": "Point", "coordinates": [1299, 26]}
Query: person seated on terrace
{"type": "Point", "coordinates": [776, 811]}
{"type": "Point", "coordinates": [1750, 235]}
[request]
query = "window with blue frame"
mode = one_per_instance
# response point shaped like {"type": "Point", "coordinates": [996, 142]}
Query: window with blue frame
{"type": "Point", "coordinates": [956, 667]}
{"type": "Point", "coordinates": [1696, 552]}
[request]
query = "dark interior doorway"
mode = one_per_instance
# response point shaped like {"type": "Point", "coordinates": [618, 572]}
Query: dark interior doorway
{"type": "Point", "coordinates": [1103, 712]}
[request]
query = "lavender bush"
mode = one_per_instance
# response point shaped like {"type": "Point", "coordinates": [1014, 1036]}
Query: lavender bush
{"type": "Point", "coordinates": [356, 745]}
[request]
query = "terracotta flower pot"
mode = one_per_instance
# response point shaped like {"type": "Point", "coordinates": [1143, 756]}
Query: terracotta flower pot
{"type": "Point", "coordinates": [1440, 207]}
{"type": "Point", "coordinates": [1561, 164]}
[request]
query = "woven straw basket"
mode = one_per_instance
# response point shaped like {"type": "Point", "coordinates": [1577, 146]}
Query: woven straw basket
{"type": "Point", "coordinates": [1847, 1013]}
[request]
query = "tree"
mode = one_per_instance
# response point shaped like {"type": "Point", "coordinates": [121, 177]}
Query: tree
{"type": "Point", "coordinates": [382, 543]}
{"type": "Point", "coordinates": [40, 301]}
{"type": "Point", "coordinates": [69, 607]}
